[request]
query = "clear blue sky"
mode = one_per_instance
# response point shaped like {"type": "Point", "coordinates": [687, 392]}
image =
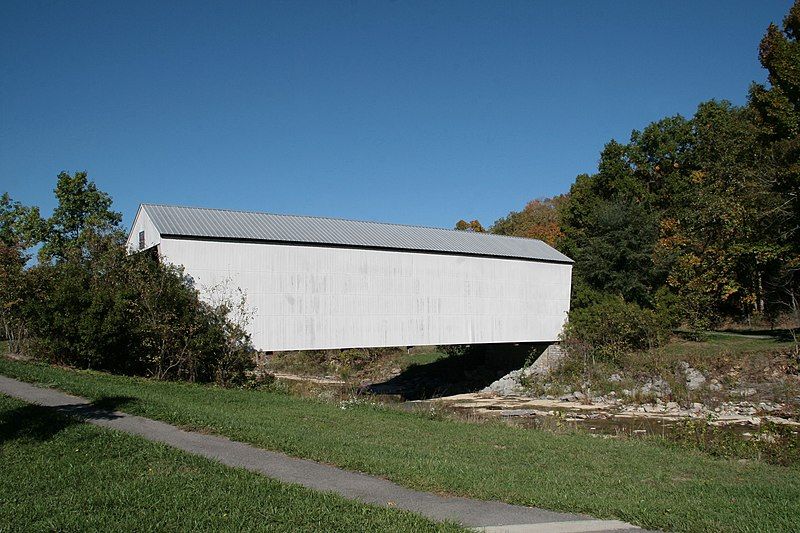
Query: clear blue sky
{"type": "Point", "coordinates": [409, 112]}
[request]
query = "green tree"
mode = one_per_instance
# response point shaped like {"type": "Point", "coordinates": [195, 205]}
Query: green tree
{"type": "Point", "coordinates": [89, 304]}
{"type": "Point", "coordinates": [719, 246]}
{"type": "Point", "coordinates": [83, 210]}
{"type": "Point", "coordinates": [777, 116]}
{"type": "Point", "coordinates": [20, 228]}
{"type": "Point", "coordinates": [610, 228]}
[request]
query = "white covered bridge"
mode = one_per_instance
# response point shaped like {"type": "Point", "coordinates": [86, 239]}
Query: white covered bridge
{"type": "Point", "coordinates": [318, 283]}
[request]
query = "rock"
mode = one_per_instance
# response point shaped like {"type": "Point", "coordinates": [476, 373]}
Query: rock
{"type": "Point", "coordinates": [517, 412]}
{"type": "Point", "coordinates": [714, 385]}
{"type": "Point", "coordinates": [566, 397]}
{"type": "Point", "coordinates": [745, 392]}
{"type": "Point", "coordinates": [694, 378]}
{"type": "Point", "coordinates": [697, 406]}
{"type": "Point", "coordinates": [657, 387]}
{"type": "Point", "coordinates": [767, 407]}
{"type": "Point", "coordinates": [541, 367]}
{"type": "Point", "coordinates": [673, 406]}
{"type": "Point", "coordinates": [578, 395]}
{"type": "Point", "coordinates": [509, 384]}
{"type": "Point", "coordinates": [766, 437]}
{"type": "Point", "coordinates": [615, 378]}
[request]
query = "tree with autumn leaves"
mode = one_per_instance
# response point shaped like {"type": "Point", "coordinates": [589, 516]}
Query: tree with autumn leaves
{"type": "Point", "coordinates": [539, 219]}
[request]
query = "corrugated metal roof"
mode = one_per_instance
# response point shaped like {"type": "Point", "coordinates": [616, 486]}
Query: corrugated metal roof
{"type": "Point", "coordinates": [247, 225]}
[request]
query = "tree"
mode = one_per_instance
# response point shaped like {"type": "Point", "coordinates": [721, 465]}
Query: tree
{"type": "Point", "coordinates": [539, 219]}
{"type": "Point", "coordinates": [777, 116]}
{"type": "Point", "coordinates": [610, 228]}
{"type": "Point", "coordinates": [89, 304]}
{"type": "Point", "coordinates": [83, 210]}
{"type": "Point", "coordinates": [778, 106]}
{"type": "Point", "coordinates": [20, 228]}
{"type": "Point", "coordinates": [720, 248]}
{"type": "Point", "coordinates": [473, 225]}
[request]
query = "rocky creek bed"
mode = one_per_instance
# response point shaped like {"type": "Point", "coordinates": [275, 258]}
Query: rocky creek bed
{"type": "Point", "coordinates": [602, 416]}
{"type": "Point", "coordinates": [615, 417]}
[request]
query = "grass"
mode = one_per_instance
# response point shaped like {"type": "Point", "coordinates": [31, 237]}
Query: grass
{"type": "Point", "coordinates": [766, 363]}
{"type": "Point", "coordinates": [60, 474]}
{"type": "Point", "coordinates": [715, 344]}
{"type": "Point", "coordinates": [640, 481]}
{"type": "Point", "coordinates": [423, 358]}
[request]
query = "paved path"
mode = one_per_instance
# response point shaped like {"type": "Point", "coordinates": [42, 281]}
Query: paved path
{"type": "Point", "coordinates": [483, 515]}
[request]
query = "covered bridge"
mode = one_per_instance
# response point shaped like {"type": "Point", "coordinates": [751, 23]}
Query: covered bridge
{"type": "Point", "coordinates": [319, 283]}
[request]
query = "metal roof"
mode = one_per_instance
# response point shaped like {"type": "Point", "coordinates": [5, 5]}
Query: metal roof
{"type": "Point", "coordinates": [223, 224]}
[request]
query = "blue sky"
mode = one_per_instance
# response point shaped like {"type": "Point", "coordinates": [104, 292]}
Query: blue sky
{"type": "Point", "coordinates": [407, 112]}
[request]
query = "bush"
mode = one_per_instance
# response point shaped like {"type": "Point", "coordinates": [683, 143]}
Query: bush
{"type": "Point", "coordinates": [87, 303]}
{"type": "Point", "coordinates": [454, 350]}
{"type": "Point", "coordinates": [109, 311]}
{"type": "Point", "coordinates": [605, 330]}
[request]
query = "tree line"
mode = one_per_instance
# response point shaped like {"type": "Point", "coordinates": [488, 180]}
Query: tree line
{"type": "Point", "coordinates": [696, 219]}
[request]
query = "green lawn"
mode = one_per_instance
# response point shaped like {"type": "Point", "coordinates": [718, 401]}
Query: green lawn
{"type": "Point", "coordinates": [639, 481]}
{"type": "Point", "coordinates": [719, 343]}
{"type": "Point", "coordinates": [60, 474]}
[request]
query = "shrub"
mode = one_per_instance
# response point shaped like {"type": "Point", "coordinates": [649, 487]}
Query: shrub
{"type": "Point", "coordinates": [604, 330]}
{"type": "Point", "coordinates": [130, 314]}
{"type": "Point", "coordinates": [454, 350]}
{"type": "Point", "coordinates": [91, 305]}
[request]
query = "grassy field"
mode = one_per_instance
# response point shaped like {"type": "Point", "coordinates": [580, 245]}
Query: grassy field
{"type": "Point", "coordinates": [719, 343]}
{"type": "Point", "coordinates": [62, 475]}
{"type": "Point", "coordinates": [644, 482]}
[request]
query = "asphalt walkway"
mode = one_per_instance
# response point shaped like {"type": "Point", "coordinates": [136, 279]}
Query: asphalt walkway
{"type": "Point", "coordinates": [488, 516]}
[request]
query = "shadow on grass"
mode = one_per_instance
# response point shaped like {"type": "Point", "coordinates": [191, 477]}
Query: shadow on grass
{"type": "Point", "coordinates": [471, 371]}
{"type": "Point", "coordinates": [40, 423]}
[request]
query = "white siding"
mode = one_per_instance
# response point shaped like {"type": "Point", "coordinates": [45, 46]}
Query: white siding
{"type": "Point", "coordinates": [142, 222]}
{"type": "Point", "coordinates": [314, 297]}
